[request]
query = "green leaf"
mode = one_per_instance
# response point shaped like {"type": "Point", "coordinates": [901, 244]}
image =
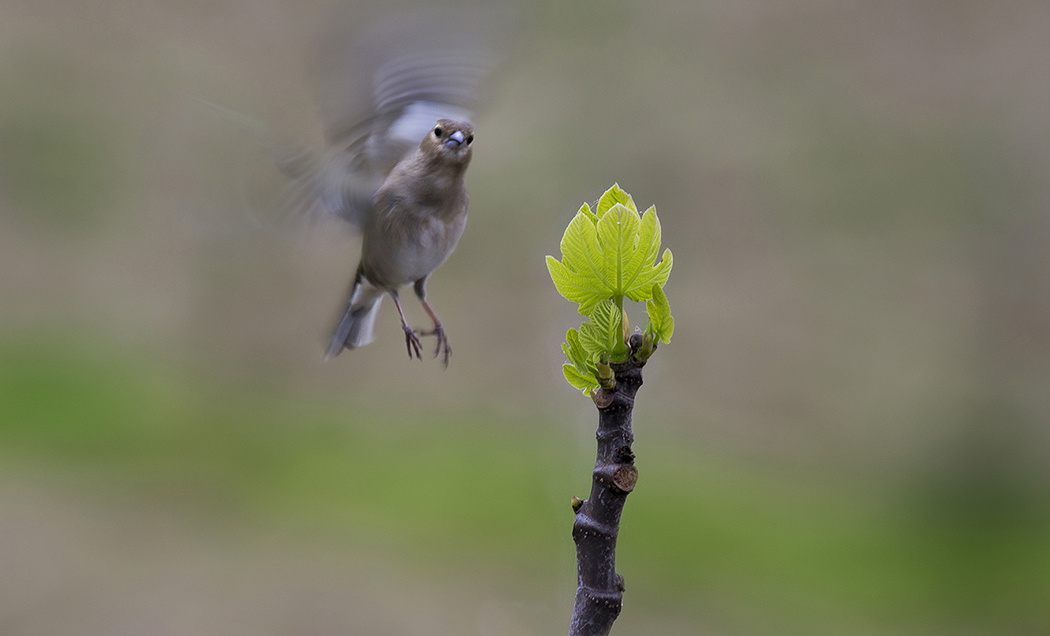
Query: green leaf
{"type": "Point", "coordinates": [641, 288]}
{"type": "Point", "coordinates": [650, 236]}
{"type": "Point", "coordinates": [585, 383]}
{"type": "Point", "coordinates": [645, 252]}
{"type": "Point", "coordinates": [580, 248]}
{"type": "Point", "coordinates": [575, 352]}
{"type": "Point", "coordinates": [586, 211]}
{"type": "Point", "coordinates": [607, 255]}
{"type": "Point", "coordinates": [592, 337]}
{"type": "Point", "coordinates": [580, 371]}
{"type": "Point", "coordinates": [602, 333]}
{"type": "Point", "coordinates": [611, 257]}
{"type": "Point", "coordinates": [569, 284]}
{"type": "Point", "coordinates": [618, 234]}
{"type": "Point", "coordinates": [661, 322]}
{"type": "Point", "coordinates": [580, 276]}
{"type": "Point", "coordinates": [613, 196]}
{"type": "Point", "coordinates": [649, 273]}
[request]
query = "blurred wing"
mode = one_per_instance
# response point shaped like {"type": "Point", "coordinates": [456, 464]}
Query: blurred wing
{"type": "Point", "coordinates": [413, 69]}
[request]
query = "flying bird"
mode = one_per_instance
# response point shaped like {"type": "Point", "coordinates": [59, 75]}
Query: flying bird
{"type": "Point", "coordinates": [396, 158]}
{"type": "Point", "coordinates": [415, 221]}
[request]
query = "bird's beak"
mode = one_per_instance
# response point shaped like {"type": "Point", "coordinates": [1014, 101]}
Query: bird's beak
{"type": "Point", "coordinates": [455, 140]}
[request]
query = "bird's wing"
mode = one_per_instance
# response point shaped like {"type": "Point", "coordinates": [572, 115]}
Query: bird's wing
{"type": "Point", "coordinates": [381, 91]}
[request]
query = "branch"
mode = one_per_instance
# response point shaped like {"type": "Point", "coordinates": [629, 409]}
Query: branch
{"type": "Point", "coordinates": [599, 591]}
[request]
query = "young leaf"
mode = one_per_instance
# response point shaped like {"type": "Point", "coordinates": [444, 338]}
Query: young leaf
{"type": "Point", "coordinates": [575, 352]}
{"type": "Point", "coordinates": [585, 383]}
{"type": "Point", "coordinates": [618, 234]}
{"type": "Point", "coordinates": [607, 255]}
{"type": "Point", "coordinates": [580, 276]}
{"type": "Point", "coordinates": [642, 285]}
{"type": "Point", "coordinates": [647, 249]}
{"type": "Point", "coordinates": [612, 258]}
{"type": "Point", "coordinates": [661, 322]}
{"type": "Point", "coordinates": [602, 333]}
{"type": "Point", "coordinates": [586, 211]}
{"type": "Point", "coordinates": [568, 283]}
{"type": "Point", "coordinates": [611, 197]}
{"type": "Point", "coordinates": [645, 271]}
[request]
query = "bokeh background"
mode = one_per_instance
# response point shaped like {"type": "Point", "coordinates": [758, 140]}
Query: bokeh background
{"type": "Point", "coordinates": [848, 434]}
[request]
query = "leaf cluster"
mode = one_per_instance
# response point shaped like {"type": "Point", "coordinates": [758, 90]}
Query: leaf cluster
{"type": "Point", "coordinates": [609, 254]}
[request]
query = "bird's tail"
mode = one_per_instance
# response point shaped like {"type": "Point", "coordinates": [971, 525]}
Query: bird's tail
{"type": "Point", "coordinates": [358, 322]}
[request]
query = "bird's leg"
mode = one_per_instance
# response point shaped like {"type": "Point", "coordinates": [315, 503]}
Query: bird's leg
{"type": "Point", "coordinates": [411, 339]}
{"type": "Point", "coordinates": [438, 331]}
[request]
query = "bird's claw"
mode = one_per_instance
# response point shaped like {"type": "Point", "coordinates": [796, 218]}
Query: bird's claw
{"type": "Point", "coordinates": [412, 343]}
{"type": "Point", "coordinates": [442, 346]}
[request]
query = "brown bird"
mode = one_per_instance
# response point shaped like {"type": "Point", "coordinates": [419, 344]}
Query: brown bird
{"type": "Point", "coordinates": [396, 99]}
{"type": "Point", "coordinates": [417, 217]}
{"type": "Point", "coordinates": [389, 171]}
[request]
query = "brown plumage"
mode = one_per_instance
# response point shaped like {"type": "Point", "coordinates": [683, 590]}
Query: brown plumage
{"type": "Point", "coordinates": [417, 217]}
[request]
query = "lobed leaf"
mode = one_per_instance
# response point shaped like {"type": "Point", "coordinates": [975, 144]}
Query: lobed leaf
{"type": "Point", "coordinates": [609, 254]}
{"type": "Point", "coordinates": [575, 352]}
{"type": "Point", "coordinates": [661, 322]}
{"type": "Point", "coordinates": [642, 287]}
{"type": "Point", "coordinates": [581, 275]}
{"type": "Point", "coordinates": [602, 333]}
{"type": "Point", "coordinates": [618, 234]}
{"type": "Point", "coordinates": [569, 284]}
{"type": "Point", "coordinates": [585, 210]}
{"type": "Point", "coordinates": [611, 197]}
{"type": "Point", "coordinates": [584, 382]}
{"type": "Point", "coordinates": [645, 252]}
{"type": "Point", "coordinates": [610, 259]}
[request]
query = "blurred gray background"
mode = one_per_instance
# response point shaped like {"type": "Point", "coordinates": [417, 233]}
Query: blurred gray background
{"type": "Point", "coordinates": [848, 434]}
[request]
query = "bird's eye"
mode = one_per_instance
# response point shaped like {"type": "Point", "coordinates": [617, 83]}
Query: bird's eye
{"type": "Point", "coordinates": [437, 132]}
{"type": "Point", "coordinates": [470, 139]}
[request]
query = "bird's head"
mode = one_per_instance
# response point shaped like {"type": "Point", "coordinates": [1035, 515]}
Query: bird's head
{"type": "Point", "coordinates": [450, 140]}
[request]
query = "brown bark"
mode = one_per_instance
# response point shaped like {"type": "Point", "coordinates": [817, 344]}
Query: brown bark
{"type": "Point", "coordinates": [599, 591]}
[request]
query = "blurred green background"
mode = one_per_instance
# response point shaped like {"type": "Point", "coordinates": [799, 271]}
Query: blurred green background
{"type": "Point", "coordinates": [848, 435]}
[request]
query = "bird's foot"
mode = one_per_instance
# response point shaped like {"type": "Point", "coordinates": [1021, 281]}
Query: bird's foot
{"type": "Point", "coordinates": [412, 343]}
{"type": "Point", "coordinates": [443, 347]}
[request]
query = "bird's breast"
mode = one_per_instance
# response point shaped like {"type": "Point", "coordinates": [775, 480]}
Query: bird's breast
{"type": "Point", "coordinates": [409, 246]}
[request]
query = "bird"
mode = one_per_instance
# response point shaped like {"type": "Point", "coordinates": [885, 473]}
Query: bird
{"type": "Point", "coordinates": [399, 144]}
{"type": "Point", "coordinates": [416, 219]}
{"type": "Point", "coordinates": [396, 99]}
